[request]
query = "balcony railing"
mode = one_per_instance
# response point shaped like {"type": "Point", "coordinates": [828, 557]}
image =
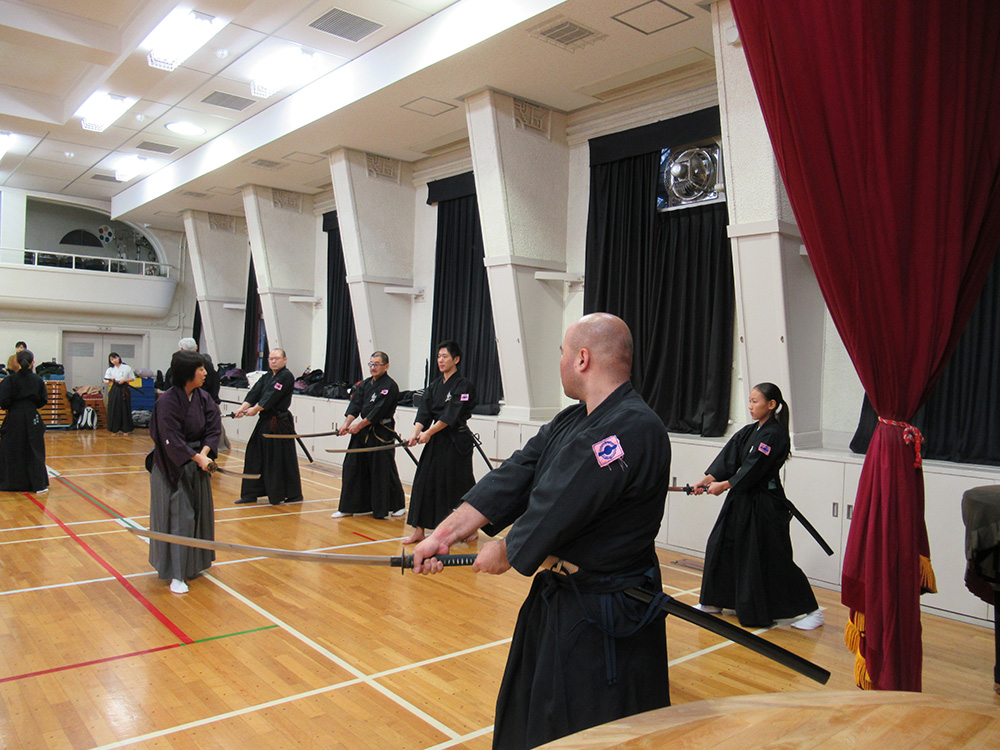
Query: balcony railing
{"type": "Point", "coordinates": [96, 263]}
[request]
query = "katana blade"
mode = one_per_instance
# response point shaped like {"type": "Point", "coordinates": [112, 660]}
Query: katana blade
{"type": "Point", "coordinates": [386, 447]}
{"type": "Point", "coordinates": [737, 635]}
{"type": "Point", "coordinates": [307, 435]}
{"type": "Point", "coordinates": [214, 467]}
{"type": "Point", "coordinates": [395, 561]}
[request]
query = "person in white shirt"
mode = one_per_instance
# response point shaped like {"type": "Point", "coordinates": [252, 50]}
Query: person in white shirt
{"type": "Point", "coordinates": [117, 376]}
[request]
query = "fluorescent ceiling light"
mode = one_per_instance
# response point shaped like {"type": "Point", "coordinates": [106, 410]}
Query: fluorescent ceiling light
{"type": "Point", "coordinates": [289, 66]}
{"type": "Point", "coordinates": [130, 167]}
{"type": "Point", "coordinates": [6, 141]}
{"type": "Point", "coordinates": [185, 128]}
{"type": "Point", "coordinates": [178, 36]}
{"type": "Point", "coordinates": [102, 109]}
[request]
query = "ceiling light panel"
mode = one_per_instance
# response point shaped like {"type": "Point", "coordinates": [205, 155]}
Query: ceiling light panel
{"type": "Point", "coordinates": [102, 109]}
{"type": "Point", "coordinates": [180, 35]}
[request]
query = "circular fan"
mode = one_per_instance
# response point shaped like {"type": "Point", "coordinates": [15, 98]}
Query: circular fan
{"type": "Point", "coordinates": [692, 175]}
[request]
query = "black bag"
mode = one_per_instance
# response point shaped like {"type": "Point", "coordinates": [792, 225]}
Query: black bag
{"type": "Point", "coordinates": [336, 390]}
{"type": "Point", "coordinates": [76, 404]}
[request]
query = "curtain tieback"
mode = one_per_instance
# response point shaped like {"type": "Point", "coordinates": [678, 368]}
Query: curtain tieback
{"type": "Point", "coordinates": [910, 435]}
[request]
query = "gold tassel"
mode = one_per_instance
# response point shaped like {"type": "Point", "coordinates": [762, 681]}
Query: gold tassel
{"type": "Point", "coordinates": [854, 632]}
{"type": "Point", "coordinates": [861, 677]}
{"type": "Point", "coordinates": [928, 583]}
{"type": "Point", "coordinates": [852, 637]}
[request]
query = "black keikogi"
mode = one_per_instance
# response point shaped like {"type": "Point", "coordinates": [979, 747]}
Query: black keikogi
{"type": "Point", "coordinates": [371, 480]}
{"type": "Point", "coordinates": [444, 473]}
{"type": "Point", "coordinates": [588, 489]}
{"type": "Point", "coordinates": [748, 558]}
{"type": "Point", "coordinates": [274, 460]}
{"type": "Point", "coordinates": [22, 434]}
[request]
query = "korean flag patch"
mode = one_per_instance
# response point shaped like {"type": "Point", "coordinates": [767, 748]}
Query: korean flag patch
{"type": "Point", "coordinates": [765, 449]}
{"type": "Point", "coordinates": [465, 397]}
{"type": "Point", "coordinates": [608, 450]}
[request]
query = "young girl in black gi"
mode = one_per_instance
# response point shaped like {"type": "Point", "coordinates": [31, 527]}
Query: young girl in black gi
{"type": "Point", "coordinates": [748, 560]}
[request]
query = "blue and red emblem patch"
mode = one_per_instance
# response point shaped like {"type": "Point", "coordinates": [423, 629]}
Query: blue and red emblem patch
{"type": "Point", "coordinates": [765, 449]}
{"type": "Point", "coordinates": [608, 450]}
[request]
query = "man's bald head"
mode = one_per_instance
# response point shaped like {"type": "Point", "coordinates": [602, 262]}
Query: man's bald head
{"type": "Point", "coordinates": [596, 356]}
{"type": "Point", "coordinates": [608, 339]}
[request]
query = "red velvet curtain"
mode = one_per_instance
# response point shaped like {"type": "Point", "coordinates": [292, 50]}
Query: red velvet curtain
{"type": "Point", "coordinates": [885, 120]}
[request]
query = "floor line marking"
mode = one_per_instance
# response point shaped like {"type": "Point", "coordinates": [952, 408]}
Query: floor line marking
{"type": "Point", "coordinates": [338, 660]}
{"type": "Point", "coordinates": [171, 626]}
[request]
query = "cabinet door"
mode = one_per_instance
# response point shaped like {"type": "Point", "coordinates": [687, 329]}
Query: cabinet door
{"type": "Point", "coordinates": [689, 518]}
{"type": "Point", "coordinates": [817, 490]}
{"type": "Point", "coordinates": [946, 531]}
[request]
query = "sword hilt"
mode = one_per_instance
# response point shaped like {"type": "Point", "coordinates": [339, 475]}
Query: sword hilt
{"type": "Point", "coordinates": [449, 561]}
{"type": "Point", "coordinates": [687, 489]}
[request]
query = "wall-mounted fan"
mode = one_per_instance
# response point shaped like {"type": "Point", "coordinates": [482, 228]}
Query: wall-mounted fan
{"type": "Point", "coordinates": [691, 176]}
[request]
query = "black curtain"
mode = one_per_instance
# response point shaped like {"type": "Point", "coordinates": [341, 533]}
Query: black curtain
{"type": "Point", "coordinates": [961, 419]}
{"type": "Point", "coordinates": [669, 276]}
{"type": "Point", "coordinates": [196, 327]}
{"type": "Point", "coordinates": [342, 363]}
{"type": "Point", "coordinates": [462, 308]}
{"type": "Point", "coordinates": [253, 327]}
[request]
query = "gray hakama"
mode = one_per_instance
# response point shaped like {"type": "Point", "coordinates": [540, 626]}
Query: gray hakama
{"type": "Point", "coordinates": [186, 511]}
{"type": "Point", "coordinates": [180, 493]}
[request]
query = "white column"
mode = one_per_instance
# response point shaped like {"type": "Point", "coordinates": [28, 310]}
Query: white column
{"type": "Point", "coordinates": [521, 164]}
{"type": "Point", "coordinates": [779, 306]}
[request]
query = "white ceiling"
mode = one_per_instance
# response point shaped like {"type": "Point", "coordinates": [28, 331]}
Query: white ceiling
{"type": "Point", "coordinates": [396, 92]}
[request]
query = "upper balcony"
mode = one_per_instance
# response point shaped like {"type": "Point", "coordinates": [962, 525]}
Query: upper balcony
{"type": "Point", "coordinates": [89, 284]}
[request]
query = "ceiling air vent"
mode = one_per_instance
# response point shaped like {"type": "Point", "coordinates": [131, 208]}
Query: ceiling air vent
{"type": "Point", "coordinates": [272, 166]}
{"type": "Point", "coordinates": [193, 194]}
{"type": "Point", "coordinates": [228, 101]}
{"type": "Point", "coordinates": [104, 178]}
{"type": "Point", "coordinates": [345, 25]}
{"type": "Point", "coordinates": [160, 148]}
{"type": "Point", "coordinates": [566, 34]}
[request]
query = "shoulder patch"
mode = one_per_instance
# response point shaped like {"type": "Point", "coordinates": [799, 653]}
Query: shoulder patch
{"type": "Point", "coordinates": [385, 392]}
{"type": "Point", "coordinates": [465, 397]}
{"type": "Point", "coordinates": [608, 450]}
{"type": "Point", "coordinates": [765, 449]}
{"type": "Point", "coordinates": [277, 386]}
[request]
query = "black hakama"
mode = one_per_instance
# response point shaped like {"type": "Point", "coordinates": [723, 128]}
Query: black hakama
{"type": "Point", "coordinates": [444, 472]}
{"type": "Point", "coordinates": [120, 408]}
{"type": "Point", "coordinates": [274, 460]}
{"type": "Point", "coordinates": [22, 434]}
{"type": "Point", "coordinates": [588, 489]}
{"type": "Point", "coordinates": [370, 480]}
{"type": "Point", "coordinates": [180, 493]}
{"type": "Point", "coordinates": [748, 558]}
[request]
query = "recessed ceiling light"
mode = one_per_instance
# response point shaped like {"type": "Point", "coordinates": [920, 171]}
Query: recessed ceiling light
{"type": "Point", "coordinates": [140, 117]}
{"type": "Point", "coordinates": [68, 154]}
{"type": "Point", "coordinates": [101, 109]}
{"type": "Point", "coordinates": [185, 128]}
{"type": "Point", "coordinates": [222, 53]}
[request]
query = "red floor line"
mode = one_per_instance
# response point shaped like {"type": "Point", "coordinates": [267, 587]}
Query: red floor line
{"type": "Point", "coordinates": [121, 579]}
{"type": "Point", "coordinates": [370, 539]}
{"type": "Point", "coordinates": [88, 663]}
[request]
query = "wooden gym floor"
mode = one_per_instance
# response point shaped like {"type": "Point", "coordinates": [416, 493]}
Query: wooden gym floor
{"type": "Point", "coordinates": [95, 652]}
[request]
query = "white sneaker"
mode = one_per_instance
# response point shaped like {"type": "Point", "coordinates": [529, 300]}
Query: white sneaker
{"type": "Point", "coordinates": [178, 586]}
{"type": "Point", "coordinates": [709, 609]}
{"type": "Point", "coordinates": [810, 621]}
{"type": "Point", "coordinates": [338, 514]}
{"type": "Point", "coordinates": [398, 513]}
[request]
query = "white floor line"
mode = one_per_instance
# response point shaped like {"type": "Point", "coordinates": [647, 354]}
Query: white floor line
{"type": "Point", "coordinates": [342, 663]}
{"type": "Point", "coordinates": [681, 592]}
{"type": "Point", "coordinates": [436, 659]}
{"type": "Point", "coordinates": [710, 649]}
{"type": "Point", "coordinates": [56, 457]}
{"type": "Point", "coordinates": [463, 738]}
{"type": "Point", "coordinates": [70, 474]}
{"type": "Point", "coordinates": [681, 570]}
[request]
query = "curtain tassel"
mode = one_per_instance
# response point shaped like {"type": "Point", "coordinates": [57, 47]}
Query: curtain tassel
{"type": "Point", "coordinates": [928, 582]}
{"type": "Point", "coordinates": [854, 633]}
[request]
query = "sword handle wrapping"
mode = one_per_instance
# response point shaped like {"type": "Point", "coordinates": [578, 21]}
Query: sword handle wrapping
{"type": "Point", "coordinates": [449, 561]}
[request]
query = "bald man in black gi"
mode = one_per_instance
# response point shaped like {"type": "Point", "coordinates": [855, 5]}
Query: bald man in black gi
{"type": "Point", "coordinates": [585, 497]}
